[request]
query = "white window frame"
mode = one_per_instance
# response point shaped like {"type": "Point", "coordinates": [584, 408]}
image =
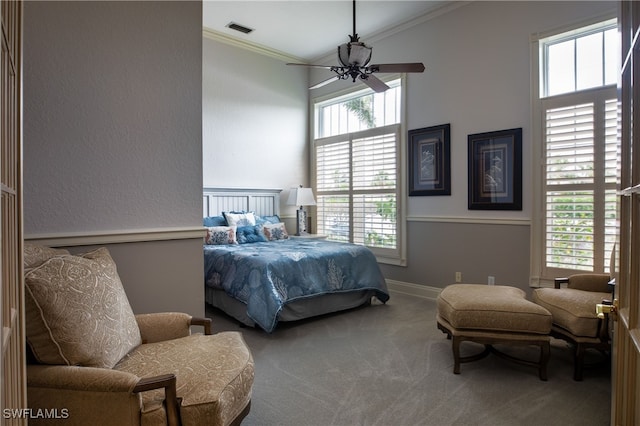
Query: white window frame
{"type": "Point", "coordinates": [540, 274]}
{"type": "Point", "coordinates": [395, 256]}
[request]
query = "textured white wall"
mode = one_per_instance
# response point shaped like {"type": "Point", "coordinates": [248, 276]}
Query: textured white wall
{"type": "Point", "coordinates": [112, 115]}
{"type": "Point", "coordinates": [254, 121]}
{"type": "Point", "coordinates": [113, 137]}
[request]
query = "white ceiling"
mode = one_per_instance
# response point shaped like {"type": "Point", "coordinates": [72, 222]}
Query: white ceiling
{"type": "Point", "coordinates": [311, 29]}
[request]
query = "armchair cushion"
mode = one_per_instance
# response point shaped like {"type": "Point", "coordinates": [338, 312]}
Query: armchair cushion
{"type": "Point", "coordinates": [214, 375]}
{"type": "Point", "coordinates": [77, 312]}
{"type": "Point", "coordinates": [573, 310]}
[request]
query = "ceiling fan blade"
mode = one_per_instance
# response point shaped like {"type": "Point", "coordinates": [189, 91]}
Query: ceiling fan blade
{"type": "Point", "coordinates": [311, 65]}
{"type": "Point", "coordinates": [406, 67]}
{"type": "Point", "coordinates": [375, 83]}
{"type": "Point", "coordinates": [324, 83]}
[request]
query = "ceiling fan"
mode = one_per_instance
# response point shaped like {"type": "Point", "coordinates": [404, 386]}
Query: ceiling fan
{"type": "Point", "coordinates": [354, 58]}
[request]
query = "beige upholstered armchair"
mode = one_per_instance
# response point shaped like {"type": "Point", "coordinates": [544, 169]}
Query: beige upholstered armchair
{"type": "Point", "coordinates": [573, 308]}
{"type": "Point", "coordinates": [96, 363]}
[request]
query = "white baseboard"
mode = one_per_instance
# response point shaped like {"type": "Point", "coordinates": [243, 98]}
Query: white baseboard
{"type": "Point", "coordinates": [411, 289]}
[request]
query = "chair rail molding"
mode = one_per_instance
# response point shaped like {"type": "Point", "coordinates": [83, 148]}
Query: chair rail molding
{"type": "Point", "coordinates": [118, 236]}
{"type": "Point", "coordinates": [471, 220]}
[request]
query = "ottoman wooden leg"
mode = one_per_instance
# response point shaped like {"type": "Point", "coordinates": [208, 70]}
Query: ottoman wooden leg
{"type": "Point", "coordinates": [457, 359]}
{"type": "Point", "coordinates": [456, 354]}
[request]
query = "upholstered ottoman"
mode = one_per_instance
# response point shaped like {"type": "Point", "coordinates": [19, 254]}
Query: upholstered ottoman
{"type": "Point", "coordinates": [492, 315]}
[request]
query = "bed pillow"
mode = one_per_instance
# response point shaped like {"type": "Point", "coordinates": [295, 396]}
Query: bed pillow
{"type": "Point", "coordinates": [215, 221]}
{"type": "Point", "coordinates": [250, 234]}
{"type": "Point", "coordinates": [275, 231]}
{"type": "Point", "coordinates": [240, 219]}
{"type": "Point", "coordinates": [261, 220]}
{"type": "Point", "coordinates": [77, 312]}
{"type": "Point", "coordinates": [220, 235]}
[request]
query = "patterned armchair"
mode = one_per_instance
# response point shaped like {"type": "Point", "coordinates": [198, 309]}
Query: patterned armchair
{"type": "Point", "coordinates": [572, 304]}
{"type": "Point", "coordinates": [94, 362]}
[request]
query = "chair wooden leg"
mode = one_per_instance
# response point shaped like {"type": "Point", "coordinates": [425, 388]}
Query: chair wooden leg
{"type": "Point", "coordinates": [545, 351]}
{"type": "Point", "coordinates": [578, 360]}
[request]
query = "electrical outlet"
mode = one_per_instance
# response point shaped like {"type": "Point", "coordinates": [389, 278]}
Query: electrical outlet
{"type": "Point", "coordinates": [458, 277]}
{"type": "Point", "coordinates": [491, 280]}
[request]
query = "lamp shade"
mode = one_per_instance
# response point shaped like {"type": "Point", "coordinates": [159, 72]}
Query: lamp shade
{"type": "Point", "coordinates": [354, 53]}
{"type": "Point", "coordinates": [301, 197]}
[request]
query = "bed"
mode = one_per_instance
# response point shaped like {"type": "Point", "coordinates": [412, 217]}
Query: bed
{"type": "Point", "coordinates": [260, 275]}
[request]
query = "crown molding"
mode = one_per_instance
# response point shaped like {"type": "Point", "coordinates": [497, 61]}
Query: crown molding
{"type": "Point", "coordinates": [448, 6]}
{"type": "Point", "coordinates": [252, 47]}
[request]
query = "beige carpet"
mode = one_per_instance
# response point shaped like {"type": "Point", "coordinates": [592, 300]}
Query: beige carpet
{"type": "Point", "coordinates": [389, 365]}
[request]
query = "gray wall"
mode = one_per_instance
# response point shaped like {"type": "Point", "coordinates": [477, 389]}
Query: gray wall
{"type": "Point", "coordinates": [115, 113]}
{"type": "Point", "coordinates": [439, 249]}
{"type": "Point", "coordinates": [113, 140]}
{"type": "Point", "coordinates": [478, 79]}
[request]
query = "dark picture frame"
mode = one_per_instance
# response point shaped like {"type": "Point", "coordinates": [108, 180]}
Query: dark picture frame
{"type": "Point", "coordinates": [495, 170]}
{"type": "Point", "coordinates": [430, 160]}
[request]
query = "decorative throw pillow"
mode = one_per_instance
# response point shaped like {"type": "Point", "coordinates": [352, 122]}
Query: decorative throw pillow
{"type": "Point", "coordinates": [250, 234]}
{"type": "Point", "coordinates": [214, 221]}
{"type": "Point", "coordinates": [261, 220]}
{"type": "Point", "coordinates": [219, 235]}
{"type": "Point", "coordinates": [77, 312]}
{"type": "Point", "coordinates": [240, 219]}
{"type": "Point", "coordinates": [35, 255]}
{"type": "Point", "coordinates": [275, 231]}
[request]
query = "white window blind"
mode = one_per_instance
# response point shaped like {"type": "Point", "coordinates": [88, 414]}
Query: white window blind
{"type": "Point", "coordinates": [356, 173]}
{"type": "Point", "coordinates": [575, 140]}
{"type": "Point", "coordinates": [356, 188]}
{"type": "Point", "coordinates": [581, 148]}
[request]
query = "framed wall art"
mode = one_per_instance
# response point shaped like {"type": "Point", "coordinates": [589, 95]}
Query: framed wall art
{"type": "Point", "coordinates": [495, 170]}
{"type": "Point", "coordinates": [430, 160]}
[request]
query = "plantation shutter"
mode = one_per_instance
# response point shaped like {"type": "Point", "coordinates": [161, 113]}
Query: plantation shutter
{"type": "Point", "coordinates": [333, 170]}
{"type": "Point", "coordinates": [374, 190]}
{"type": "Point", "coordinates": [356, 187]}
{"type": "Point", "coordinates": [579, 187]}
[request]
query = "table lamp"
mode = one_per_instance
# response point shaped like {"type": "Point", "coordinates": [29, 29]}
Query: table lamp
{"type": "Point", "coordinates": [301, 197]}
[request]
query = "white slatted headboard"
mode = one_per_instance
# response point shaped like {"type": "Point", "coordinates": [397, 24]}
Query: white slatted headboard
{"type": "Point", "coordinates": [264, 202]}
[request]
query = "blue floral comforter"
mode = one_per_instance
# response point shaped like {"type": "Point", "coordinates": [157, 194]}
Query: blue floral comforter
{"type": "Point", "coordinates": [267, 275]}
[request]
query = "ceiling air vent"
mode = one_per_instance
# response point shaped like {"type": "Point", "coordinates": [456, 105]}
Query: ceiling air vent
{"type": "Point", "coordinates": [239, 27]}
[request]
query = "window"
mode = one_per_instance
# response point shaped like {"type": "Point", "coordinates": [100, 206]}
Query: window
{"type": "Point", "coordinates": [356, 157]}
{"type": "Point", "coordinates": [578, 112]}
{"type": "Point", "coordinates": [581, 59]}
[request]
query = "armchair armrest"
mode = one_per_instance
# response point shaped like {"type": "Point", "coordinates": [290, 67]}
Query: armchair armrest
{"type": "Point", "coordinates": [172, 403]}
{"type": "Point", "coordinates": [63, 379]}
{"type": "Point", "coordinates": [204, 322]}
{"type": "Point", "coordinates": [559, 281]}
{"type": "Point", "coordinates": [77, 378]}
{"type": "Point", "coordinates": [158, 327]}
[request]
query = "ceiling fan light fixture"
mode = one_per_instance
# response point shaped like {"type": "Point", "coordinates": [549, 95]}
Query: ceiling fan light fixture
{"type": "Point", "coordinates": [354, 54]}
{"type": "Point", "coordinates": [354, 58]}
{"type": "Point", "coordinates": [359, 54]}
